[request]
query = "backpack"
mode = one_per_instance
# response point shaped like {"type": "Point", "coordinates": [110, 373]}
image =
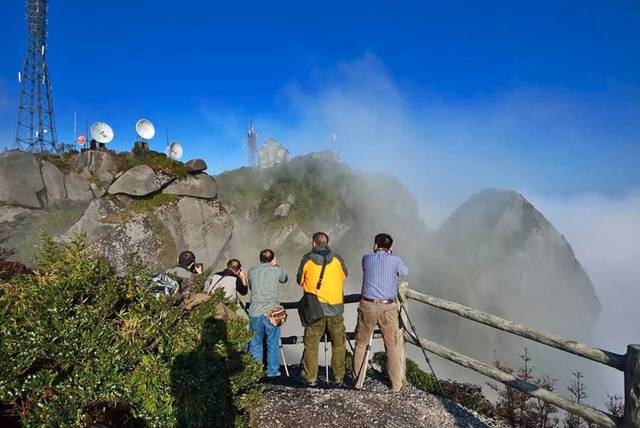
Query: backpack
{"type": "Point", "coordinates": [163, 285]}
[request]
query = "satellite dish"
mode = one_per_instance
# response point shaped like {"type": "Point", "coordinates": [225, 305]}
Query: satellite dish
{"type": "Point", "coordinates": [101, 132]}
{"type": "Point", "coordinates": [174, 150]}
{"type": "Point", "coordinates": [145, 129]}
{"type": "Point", "coordinates": [81, 140]}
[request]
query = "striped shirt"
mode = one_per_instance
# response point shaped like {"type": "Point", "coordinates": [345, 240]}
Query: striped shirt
{"type": "Point", "coordinates": [264, 283]}
{"type": "Point", "coordinates": [380, 275]}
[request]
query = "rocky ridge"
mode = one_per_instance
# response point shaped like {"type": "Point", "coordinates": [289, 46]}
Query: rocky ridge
{"type": "Point", "coordinates": [150, 213]}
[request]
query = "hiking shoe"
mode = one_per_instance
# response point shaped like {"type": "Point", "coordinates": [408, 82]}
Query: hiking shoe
{"type": "Point", "coordinates": [271, 379]}
{"type": "Point", "coordinates": [308, 384]}
{"type": "Point", "coordinates": [338, 384]}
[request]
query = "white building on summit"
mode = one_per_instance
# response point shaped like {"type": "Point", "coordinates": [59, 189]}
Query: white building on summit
{"type": "Point", "coordinates": [272, 153]}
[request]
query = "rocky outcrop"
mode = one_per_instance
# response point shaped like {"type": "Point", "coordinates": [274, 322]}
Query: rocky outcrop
{"type": "Point", "coordinates": [139, 221]}
{"type": "Point", "coordinates": [9, 213]}
{"type": "Point", "coordinates": [21, 181]}
{"type": "Point", "coordinates": [78, 188]}
{"type": "Point", "coordinates": [135, 238]}
{"type": "Point", "coordinates": [198, 186]}
{"type": "Point", "coordinates": [198, 225]}
{"type": "Point", "coordinates": [53, 180]}
{"type": "Point", "coordinates": [97, 190]}
{"type": "Point", "coordinates": [98, 163]}
{"type": "Point", "coordinates": [140, 180]}
{"type": "Point", "coordinates": [155, 237]}
{"type": "Point", "coordinates": [195, 166]}
{"type": "Point", "coordinates": [93, 222]}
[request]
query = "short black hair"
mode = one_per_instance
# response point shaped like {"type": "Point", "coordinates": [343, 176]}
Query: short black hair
{"type": "Point", "coordinates": [384, 241]}
{"type": "Point", "coordinates": [234, 264]}
{"type": "Point", "coordinates": [266, 255]}
{"type": "Point", "coordinates": [186, 259]}
{"type": "Point", "coordinates": [320, 238]}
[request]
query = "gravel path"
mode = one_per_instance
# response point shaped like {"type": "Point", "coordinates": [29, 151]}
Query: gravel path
{"type": "Point", "coordinates": [289, 405]}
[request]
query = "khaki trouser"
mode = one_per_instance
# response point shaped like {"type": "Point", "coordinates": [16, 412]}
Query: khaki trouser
{"type": "Point", "coordinates": [312, 335]}
{"type": "Point", "coordinates": [385, 316]}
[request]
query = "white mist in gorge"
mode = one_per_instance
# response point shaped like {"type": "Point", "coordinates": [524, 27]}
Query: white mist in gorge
{"type": "Point", "coordinates": [530, 140]}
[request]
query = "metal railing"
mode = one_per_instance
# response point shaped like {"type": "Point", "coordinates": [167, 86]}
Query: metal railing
{"type": "Point", "coordinates": [629, 363]}
{"type": "Point", "coordinates": [296, 339]}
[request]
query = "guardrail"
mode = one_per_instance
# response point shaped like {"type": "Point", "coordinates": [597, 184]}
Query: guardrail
{"type": "Point", "coordinates": [629, 363]}
{"type": "Point", "coordinates": [294, 340]}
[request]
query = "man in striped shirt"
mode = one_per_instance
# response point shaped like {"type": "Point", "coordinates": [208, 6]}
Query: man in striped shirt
{"type": "Point", "coordinates": [381, 270]}
{"type": "Point", "coordinates": [265, 281]}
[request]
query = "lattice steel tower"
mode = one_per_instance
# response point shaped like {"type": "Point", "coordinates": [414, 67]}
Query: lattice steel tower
{"type": "Point", "coordinates": [252, 147]}
{"type": "Point", "coordinates": [36, 130]}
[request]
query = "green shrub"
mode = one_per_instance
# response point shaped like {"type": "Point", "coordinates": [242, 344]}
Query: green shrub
{"type": "Point", "coordinates": [159, 162]}
{"type": "Point", "coordinates": [64, 161]}
{"type": "Point", "coordinates": [80, 345]}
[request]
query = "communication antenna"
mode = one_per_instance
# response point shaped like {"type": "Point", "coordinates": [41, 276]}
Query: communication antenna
{"type": "Point", "coordinates": [145, 130]}
{"type": "Point", "coordinates": [252, 146]}
{"type": "Point", "coordinates": [36, 128]}
{"type": "Point", "coordinates": [101, 132]}
{"type": "Point", "coordinates": [75, 126]}
{"type": "Point", "coordinates": [174, 150]}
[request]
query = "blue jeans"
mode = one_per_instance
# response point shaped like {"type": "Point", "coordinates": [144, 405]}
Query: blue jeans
{"type": "Point", "coordinates": [261, 327]}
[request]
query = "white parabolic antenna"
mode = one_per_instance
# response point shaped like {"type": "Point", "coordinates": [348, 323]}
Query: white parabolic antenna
{"type": "Point", "coordinates": [101, 132]}
{"type": "Point", "coordinates": [145, 129]}
{"type": "Point", "coordinates": [174, 150]}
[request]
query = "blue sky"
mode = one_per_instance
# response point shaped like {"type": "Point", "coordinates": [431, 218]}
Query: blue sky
{"type": "Point", "coordinates": [542, 97]}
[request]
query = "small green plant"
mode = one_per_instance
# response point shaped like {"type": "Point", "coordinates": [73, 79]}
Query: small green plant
{"type": "Point", "coordinates": [80, 345]}
{"type": "Point", "coordinates": [63, 161]}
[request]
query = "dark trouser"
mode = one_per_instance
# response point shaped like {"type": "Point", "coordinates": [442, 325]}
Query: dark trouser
{"type": "Point", "coordinates": [312, 336]}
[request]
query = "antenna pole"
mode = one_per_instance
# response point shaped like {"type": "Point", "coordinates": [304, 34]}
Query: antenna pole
{"type": "Point", "coordinates": [252, 147]}
{"type": "Point", "coordinates": [36, 125]}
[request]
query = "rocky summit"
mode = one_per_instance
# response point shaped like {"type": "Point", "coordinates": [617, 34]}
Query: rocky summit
{"type": "Point", "coordinates": [286, 404]}
{"type": "Point", "coordinates": [142, 205]}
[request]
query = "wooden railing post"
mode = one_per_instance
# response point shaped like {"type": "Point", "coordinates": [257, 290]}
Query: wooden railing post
{"type": "Point", "coordinates": [402, 297]}
{"type": "Point", "coordinates": [631, 417]}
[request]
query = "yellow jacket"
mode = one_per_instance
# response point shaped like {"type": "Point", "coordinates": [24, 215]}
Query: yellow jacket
{"type": "Point", "coordinates": [331, 290]}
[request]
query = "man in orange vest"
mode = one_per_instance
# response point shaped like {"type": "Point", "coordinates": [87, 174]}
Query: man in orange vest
{"type": "Point", "coordinates": [330, 295]}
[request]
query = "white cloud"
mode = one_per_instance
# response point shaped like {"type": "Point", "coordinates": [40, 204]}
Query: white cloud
{"type": "Point", "coordinates": [445, 149]}
{"type": "Point", "coordinates": [605, 235]}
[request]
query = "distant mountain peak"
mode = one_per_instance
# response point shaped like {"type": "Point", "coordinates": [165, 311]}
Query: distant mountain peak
{"type": "Point", "coordinates": [505, 247]}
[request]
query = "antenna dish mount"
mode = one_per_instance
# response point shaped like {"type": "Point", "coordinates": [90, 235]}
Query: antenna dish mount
{"type": "Point", "coordinates": [101, 132]}
{"type": "Point", "coordinates": [174, 150]}
{"type": "Point", "coordinates": [145, 129]}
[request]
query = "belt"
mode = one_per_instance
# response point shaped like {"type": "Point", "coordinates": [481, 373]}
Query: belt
{"type": "Point", "coordinates": [366, 299]}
